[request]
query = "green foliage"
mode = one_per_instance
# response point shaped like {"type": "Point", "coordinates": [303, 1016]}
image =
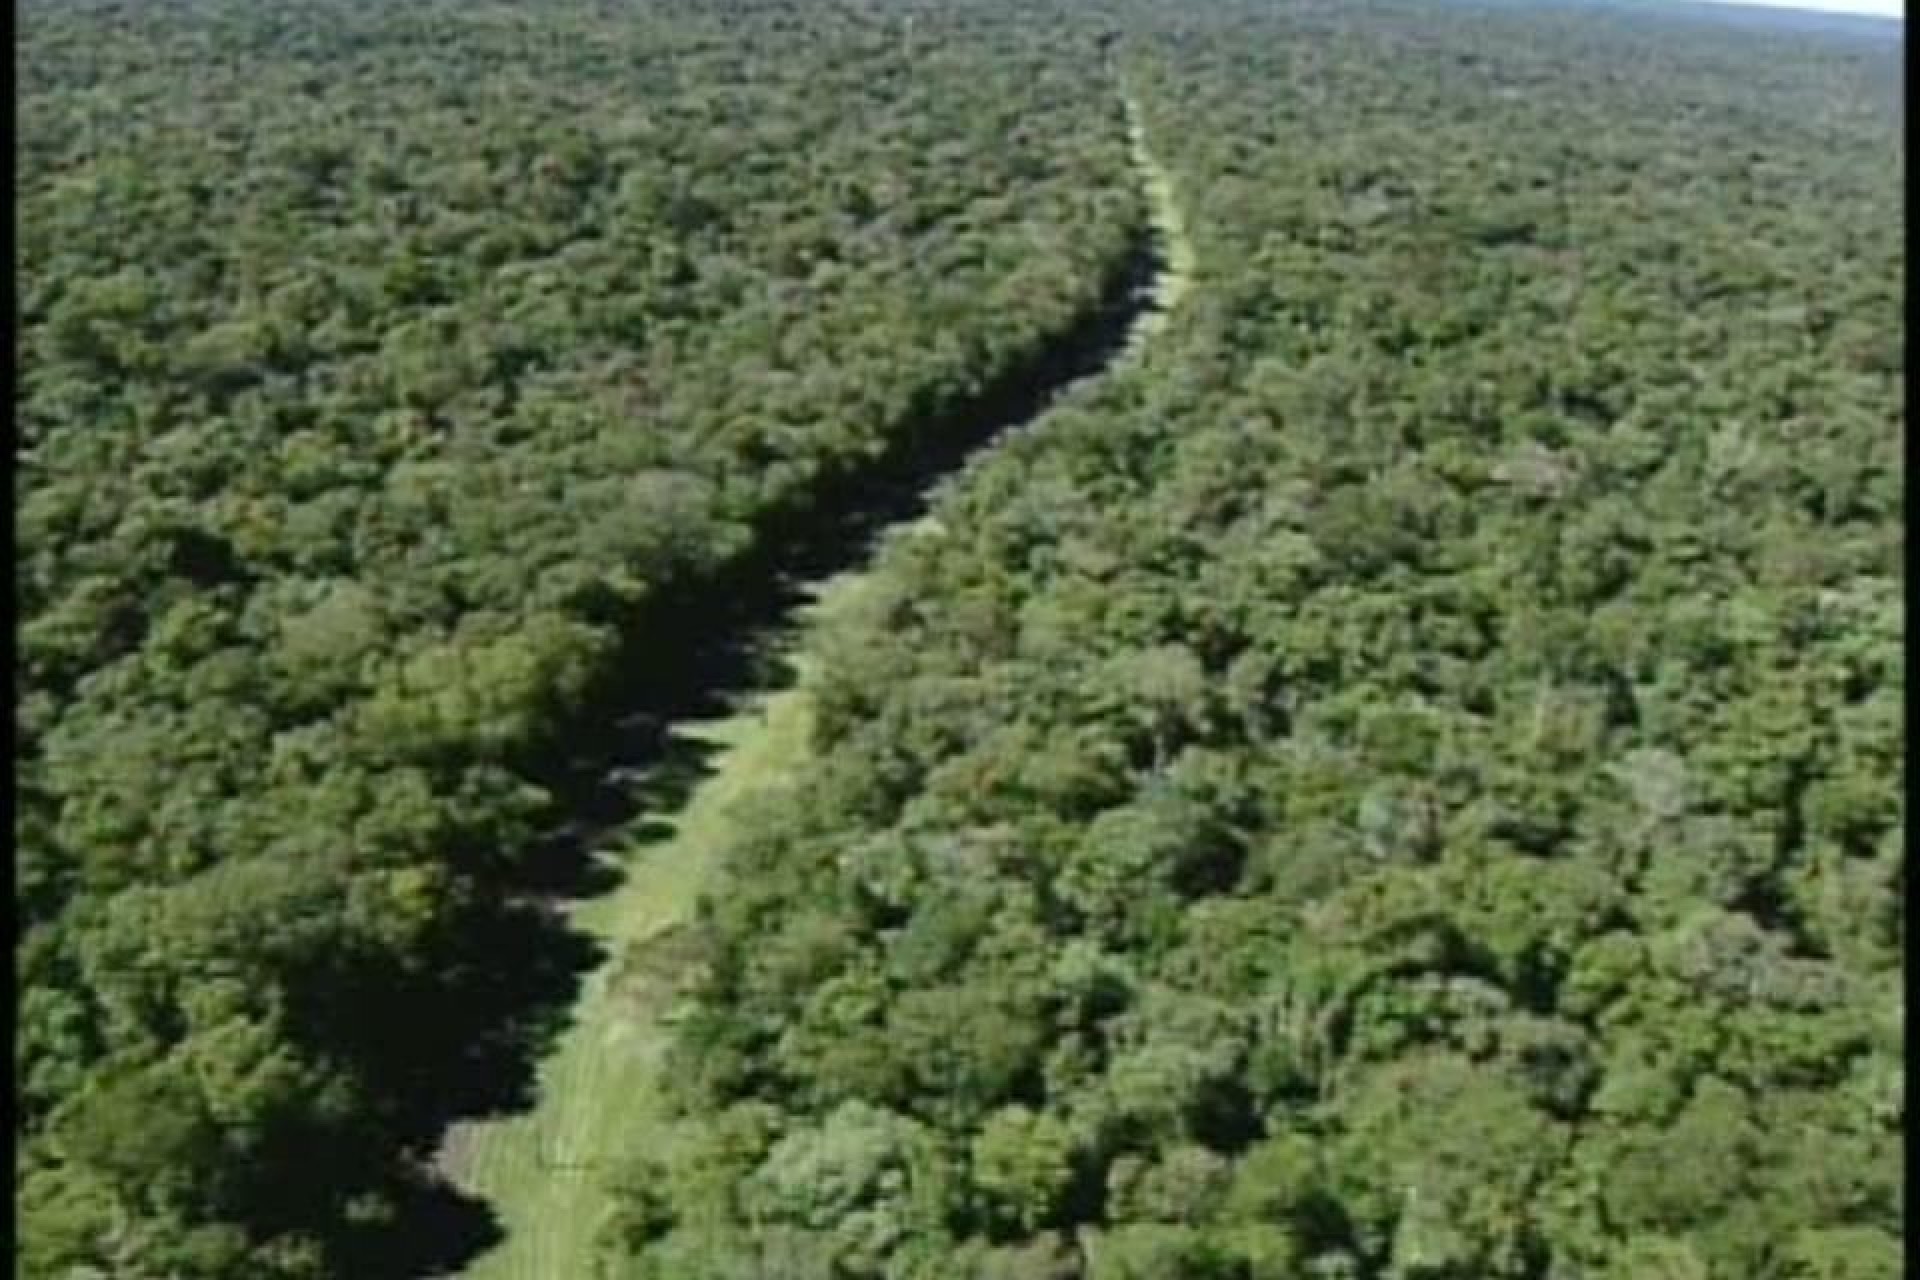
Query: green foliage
{"type": "Point", "coordinates": [1403, 780]}
{"type": "Point", "coordinates": [1023, 1164]}
{"type": "Point", "coordinates": [390, 379]}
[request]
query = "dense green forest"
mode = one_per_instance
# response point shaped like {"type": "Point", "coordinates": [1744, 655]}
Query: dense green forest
{"type": "Point", "coordinates": [390, 378]}
{"type": "Point", "coordinates": [1405, 782]}
{"type": "Point", "coordinates": [1399, 781]}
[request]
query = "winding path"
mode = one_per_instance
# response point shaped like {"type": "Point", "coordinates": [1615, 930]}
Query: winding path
{"type": "Point", "coordinates": [545, 1170]}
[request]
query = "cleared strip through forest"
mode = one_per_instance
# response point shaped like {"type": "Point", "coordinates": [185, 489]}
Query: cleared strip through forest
{"type": "Point", "coordinates": [544, 1171]}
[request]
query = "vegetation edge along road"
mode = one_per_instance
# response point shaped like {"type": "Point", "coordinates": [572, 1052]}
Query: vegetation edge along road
{"type": "Point", "coordinates": [545, 1170]}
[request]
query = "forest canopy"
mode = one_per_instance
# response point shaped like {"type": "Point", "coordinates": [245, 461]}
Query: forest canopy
{"type": "Point", "coordinates": [1400, 780]}
{"type": "Point", "coordinates": [1405, 781]}
{"type": "Point", "coordinates": [389, 378]}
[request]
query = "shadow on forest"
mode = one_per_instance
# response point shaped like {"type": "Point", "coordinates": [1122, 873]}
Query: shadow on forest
{"type": "Point", "coordinates": [442, 1230]}
{"type": "Point", "coordinates": [458, 1038]}
{"type": "Point", "coordinates": [698, 648]}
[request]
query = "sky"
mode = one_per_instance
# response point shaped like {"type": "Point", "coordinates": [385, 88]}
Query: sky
{"type": "Point", "coordinates": [1876, 8]}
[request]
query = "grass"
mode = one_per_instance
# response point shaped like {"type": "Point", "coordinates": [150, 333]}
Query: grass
{"type": "Point", "coordinates": [545, 1171]}
{"type": "Point", "coordinates": [1176, 274]}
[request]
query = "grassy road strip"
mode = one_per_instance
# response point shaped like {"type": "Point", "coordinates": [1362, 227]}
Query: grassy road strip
{"type": "Point", "coordinates": [1176, 273]}
{"type": "Point", "coordinates": [545, 1171]}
